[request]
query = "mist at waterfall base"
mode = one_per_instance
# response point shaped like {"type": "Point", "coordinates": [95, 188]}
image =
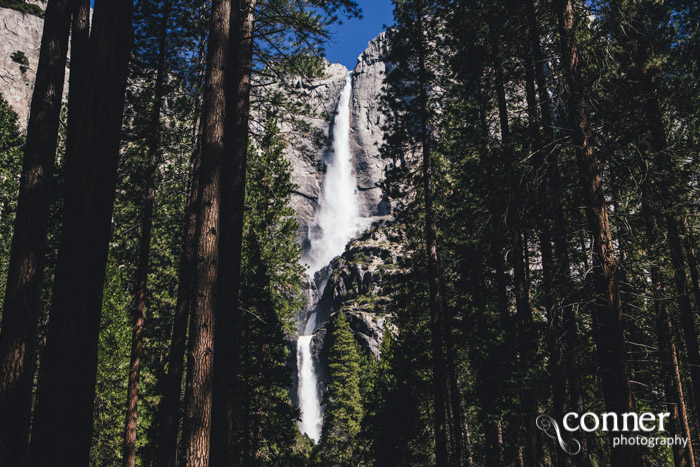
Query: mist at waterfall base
{"type": "Point", "coordinates": [337, 221]}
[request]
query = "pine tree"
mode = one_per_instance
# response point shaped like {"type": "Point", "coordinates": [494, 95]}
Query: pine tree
{"type": "Point", "coordinates": [271, 277]}
{"type": "Point", "coordinates": [342, 405]}
{"type": "Point", "coordinates": [198, 396]}
{"type": "Point", "coordinates": [11, 142]}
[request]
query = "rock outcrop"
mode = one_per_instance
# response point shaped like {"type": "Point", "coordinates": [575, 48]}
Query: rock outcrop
{"type": "Point", "coordinates": [20, 35]}
{"type": "Point", "coordinates": [355, 287]}
{"type": "Point", "coordinates": [367, 122]}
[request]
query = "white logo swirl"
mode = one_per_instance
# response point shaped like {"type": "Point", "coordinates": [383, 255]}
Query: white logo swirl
{"type": "Point", "coordinates": [550, 427]}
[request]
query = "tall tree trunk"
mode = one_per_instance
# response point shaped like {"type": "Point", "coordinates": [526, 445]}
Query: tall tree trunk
{"type": "Point", "coordinates": [609, 332]}
{"type": "Point", "coordinates": [563, 339]}
{"type": "Point", "coordinates": [488, 389]}
{"type": "Point", "coordinates": [455, 399]}
{"type": "Point", "coordinates": [436, 318]}
{"type": "Point", "coordinates": [169, 412]}
{"type": "Point", "coordinates": [141, 278]}
{"type": "Point", "coordinates": [198, 395]}
{"type": "Point", "coordinates": [22, 304]}
{"type": "Point", "coordinates": [62, 427]}
{"type": "Point", "coordinates": [170, 406]}
{"type": "Point", "coordinates": [233, 177]}
{"type": "Point", "coordinates": [683, 456]}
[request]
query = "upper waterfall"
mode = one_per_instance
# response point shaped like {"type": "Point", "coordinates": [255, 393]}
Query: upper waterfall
{"type": "Point", "coordinates": [337, 218]}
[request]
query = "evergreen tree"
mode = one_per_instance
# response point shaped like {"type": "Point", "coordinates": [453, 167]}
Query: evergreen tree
{"type": "Point", "coordinates": [271, 278]}
{"type": "Point", "coordinates": [343, 403]}
{"type": "Point", "coordinates": [11, 142]}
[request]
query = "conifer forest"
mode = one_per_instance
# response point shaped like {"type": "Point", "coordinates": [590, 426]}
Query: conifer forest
{"type": "Point", "coordinates": [478, 247]}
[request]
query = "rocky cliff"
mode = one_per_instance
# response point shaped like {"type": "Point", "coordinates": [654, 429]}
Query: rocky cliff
{"type": "Point", "coordinates": [20, 40]}
{"type": "Point", "coordinates": [366, 123]}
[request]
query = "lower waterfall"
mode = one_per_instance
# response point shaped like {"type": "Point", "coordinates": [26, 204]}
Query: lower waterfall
{"type": "Point", "coordinates": [337, 221]}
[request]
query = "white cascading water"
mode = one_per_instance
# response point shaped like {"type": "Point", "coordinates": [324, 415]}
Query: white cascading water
{"type": "Point", "coordinates": [337, 221]}
{"type": "Point", "coordinates": [337, 218]}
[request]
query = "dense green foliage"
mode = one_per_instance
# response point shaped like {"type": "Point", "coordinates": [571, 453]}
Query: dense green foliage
{"type": "Point", "coordinates": [11, 144]}
{"type": "Point", "coordinates": [517, 192]}
{"type": "Point", "coordinates": [343, 404]}
{"type": "Point", "coordinates": [272, 279]}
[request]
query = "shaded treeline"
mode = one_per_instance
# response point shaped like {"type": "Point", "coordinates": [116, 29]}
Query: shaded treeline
{"type": "Point", "coordinates": [561, 137]}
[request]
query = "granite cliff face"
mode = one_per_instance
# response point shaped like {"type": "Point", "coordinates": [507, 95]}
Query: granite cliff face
{"type": "Point", "coordinates": [366, 123]}
{"type": "Point", "coordinates": [19, 32]}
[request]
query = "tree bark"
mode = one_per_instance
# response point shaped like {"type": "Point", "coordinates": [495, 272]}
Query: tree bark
{"type": "Point", "coordinates": [563, 338]}
{"type": "Point", "coordinates": [62, 427]}
{"type": "Point", "coordinates": [488, 389]}
{"type": "Point", "coordinates": [22, 304]}
{"type": "Point", "coordinates": [141, 278]}
{"type": "Point", "coordinates": [233, 177]}
{"type": "Point", "coordinates": [169, 414]}
{"type": "Point", "coordinates": [455, 399]}
{"type": "Point", "coordinates": [198, 395]}
{"type": "Point", "coordinates": [609, 332]}
{"type": "Point", "coordinates": [683, 456]}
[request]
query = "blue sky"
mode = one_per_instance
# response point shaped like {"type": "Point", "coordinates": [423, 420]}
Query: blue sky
{"type": "Point", "coordinates": [351, 37]}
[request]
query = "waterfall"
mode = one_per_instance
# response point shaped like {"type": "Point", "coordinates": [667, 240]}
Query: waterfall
{"type": "Point", "coordinates": [338, 213]}
{"type": "Point", "coordinates": [337, 221]}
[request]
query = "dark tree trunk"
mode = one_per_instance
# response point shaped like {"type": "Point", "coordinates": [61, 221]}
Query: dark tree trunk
{"type": "Point", "coordinates": [436, 318]}
{"type": "Point", "coordinates": [169, 413]}
{"type": "Point", "coordinates": [170, 405]}
{"type": "Point", "coordinates": [198, 395]}
{"type": "Point", "coordinates": [22, 304]}
{"type": "Point", "coordinates": [455, 399]}
{"type": "Point", "coordinates": [563, 339]}
{"type": "Point", "coordinates": [683, 456]}
{"type": "Point", "coordinates": [141, 278]}
{"type": "Point", "coordinates": [488, 388]}
{"type": "Point", "coordinates": [609, 332]}
{"type": "Point", "coordinates": [62, 427]}
{"type": "Point", "coordinates": [233, 177]}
